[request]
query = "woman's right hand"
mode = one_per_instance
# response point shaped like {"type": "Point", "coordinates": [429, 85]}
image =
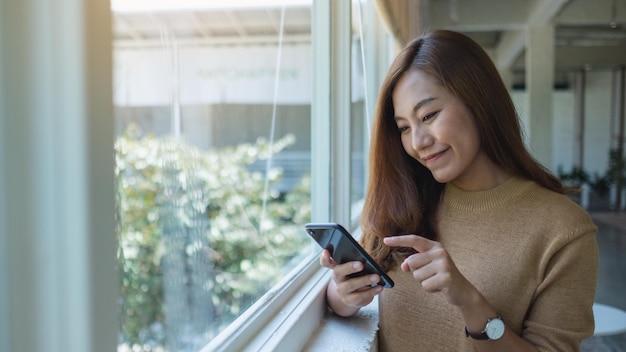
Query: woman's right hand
{"type": "Point", "coordinates": [347, 295]}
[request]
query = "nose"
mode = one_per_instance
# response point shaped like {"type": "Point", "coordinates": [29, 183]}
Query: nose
{"type": "Point", "coordinates": [420, 139]}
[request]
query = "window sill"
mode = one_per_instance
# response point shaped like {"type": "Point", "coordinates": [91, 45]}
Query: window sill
{"type": "Point", "coordinates": [358, 333]}
{"type": "Point", "coordinates": [355, 334]}
{"type": "Point", "coordinates": [295, 317]}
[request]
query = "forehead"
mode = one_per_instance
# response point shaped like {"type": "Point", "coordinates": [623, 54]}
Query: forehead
{"type": "Point", "coordinates": [415, 85]}
{"type": "Point", "coordinates": [417, 79]}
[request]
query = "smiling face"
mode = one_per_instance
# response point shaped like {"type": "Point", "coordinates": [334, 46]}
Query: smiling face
{"type": "Point", "coordinates": [439, 132]}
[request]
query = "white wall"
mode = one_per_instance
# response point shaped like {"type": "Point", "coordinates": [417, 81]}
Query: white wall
{"type": "Point", "coordinates": [563, 142]}
{"type": "Point", "coordinates": [597, 123]}
{"type": "Point", "coordinates": [215, 75]}
{"type": "Point", "coordinates": [209, 75]}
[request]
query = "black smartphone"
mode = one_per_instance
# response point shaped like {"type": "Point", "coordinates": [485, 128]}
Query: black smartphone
{"type": "Point", "coordinates": [344, 248]}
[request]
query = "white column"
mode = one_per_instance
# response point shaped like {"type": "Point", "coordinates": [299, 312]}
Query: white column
{"type": "Point", "coordinates": [539, 83]}
{"type": "Point", "coordinates": [58, 286]}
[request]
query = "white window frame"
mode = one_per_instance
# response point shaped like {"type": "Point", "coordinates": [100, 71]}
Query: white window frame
{"type": "Point", "coordinates": [58, 284]}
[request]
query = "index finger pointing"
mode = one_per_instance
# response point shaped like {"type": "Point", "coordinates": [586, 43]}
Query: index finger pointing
{"type": "Point", "coordinates": [419, 243]}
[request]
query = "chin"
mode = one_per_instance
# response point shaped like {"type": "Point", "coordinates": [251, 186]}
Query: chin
{"type": "Point", "coordinates": [442, 178]}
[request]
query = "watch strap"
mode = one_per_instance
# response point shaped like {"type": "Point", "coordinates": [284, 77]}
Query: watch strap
{"type": "Point", "coordinates": [476, 335]}
{"type": "Point", "coordinates": [483, 334]}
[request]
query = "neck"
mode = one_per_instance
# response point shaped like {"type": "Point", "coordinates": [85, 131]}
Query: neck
{"type": "Point", "coordinates": [487, 176]}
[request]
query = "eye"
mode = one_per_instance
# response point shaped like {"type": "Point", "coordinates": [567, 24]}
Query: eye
{"type": "Point", "coordinates": [429, 116]}
{"type": "Point", "coordinates": [402, 129]}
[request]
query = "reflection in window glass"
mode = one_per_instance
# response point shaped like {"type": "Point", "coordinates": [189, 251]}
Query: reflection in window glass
{"type": "Point", "coordinates": [212, 162]}
{"type": "Point", "coordinates": [359, 118]}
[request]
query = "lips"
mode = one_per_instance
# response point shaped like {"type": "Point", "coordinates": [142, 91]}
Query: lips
{"type": "Point", "coordinates": [432, 157]}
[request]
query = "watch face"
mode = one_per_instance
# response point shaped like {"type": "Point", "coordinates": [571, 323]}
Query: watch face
{"type": "Point", "coordinates": [495, 329]}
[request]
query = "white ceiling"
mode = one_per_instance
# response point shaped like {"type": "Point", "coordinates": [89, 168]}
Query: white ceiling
{"type": "Point", "coordinates": [212, 26]}
{"type": "Point", "coordinates": [589, 33]}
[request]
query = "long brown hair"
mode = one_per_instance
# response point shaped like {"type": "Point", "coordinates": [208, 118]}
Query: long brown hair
{"type": "Point", "coordinates": [402, 195]}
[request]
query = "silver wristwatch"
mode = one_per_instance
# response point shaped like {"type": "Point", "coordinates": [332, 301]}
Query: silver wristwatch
{"type": "Point", "coordinates": [493, 330]}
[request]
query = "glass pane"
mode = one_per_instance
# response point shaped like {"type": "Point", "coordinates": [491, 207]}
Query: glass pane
{"type": "Point", "coordinates": [359, 113]}
{"type": "Point", "coordinates": [213, 156]}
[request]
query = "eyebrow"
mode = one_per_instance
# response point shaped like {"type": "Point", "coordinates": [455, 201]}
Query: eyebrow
{"type": "Point", "coordinates": [422, 103]}
{"type": "Point", "coordinates": [418, 106]}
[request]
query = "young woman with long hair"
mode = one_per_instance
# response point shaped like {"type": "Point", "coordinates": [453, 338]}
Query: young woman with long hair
{"type": "Point", "coordinates": [486, 250]}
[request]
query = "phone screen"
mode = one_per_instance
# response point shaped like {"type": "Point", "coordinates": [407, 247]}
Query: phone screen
{"type": "Point", "coordinates": [344, 248]}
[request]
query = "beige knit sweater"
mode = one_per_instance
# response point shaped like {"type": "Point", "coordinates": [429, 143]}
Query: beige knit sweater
{"type": "Point", "coordinates": [531, 252]}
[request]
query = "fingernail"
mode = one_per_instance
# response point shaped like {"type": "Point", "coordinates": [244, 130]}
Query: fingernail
{"type": "Point", "coordinates": [373, 278]}
{"type": "Point", "coordinates": [356, 265]}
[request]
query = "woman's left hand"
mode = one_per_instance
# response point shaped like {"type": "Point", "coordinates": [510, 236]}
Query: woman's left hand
{"type": "Point", "coordinates": [433, 268]}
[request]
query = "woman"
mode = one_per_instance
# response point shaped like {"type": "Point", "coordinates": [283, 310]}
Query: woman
{"type": "Point", "coordinates": [486, 251]}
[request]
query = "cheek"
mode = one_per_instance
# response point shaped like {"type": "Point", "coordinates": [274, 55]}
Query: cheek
{"type": "Point", "coordinates": [468, 150]}
{"type": "Point", "coordinates": [465, 136]}
{"type": "Point", "coordinates": [406, 145]}
{"type": "Point", "coordinates": [472, 143]}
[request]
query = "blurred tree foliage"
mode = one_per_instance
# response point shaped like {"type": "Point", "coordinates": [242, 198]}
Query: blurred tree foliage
{"type": "Point", "coordinates": [197, 242]}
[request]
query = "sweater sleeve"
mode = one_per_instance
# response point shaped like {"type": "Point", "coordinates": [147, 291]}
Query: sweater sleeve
{"type": "Point", "coordinates": [561, 314]}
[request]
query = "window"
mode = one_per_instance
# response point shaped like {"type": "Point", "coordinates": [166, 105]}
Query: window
{"type": "Point", "coordinates": [58, 229]}
{"type": "Point", "coordinates": [218, 121]}
{"type": "Point", "coordinates": [213, 151]}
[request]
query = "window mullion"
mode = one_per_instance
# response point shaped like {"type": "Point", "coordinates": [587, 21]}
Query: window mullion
{"type": "Point", "coordinates": [321, 111]}
{"type": "Point", "coordinates": [330, 111]}
{"type": "Point", "coordinates": [341, 99]}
